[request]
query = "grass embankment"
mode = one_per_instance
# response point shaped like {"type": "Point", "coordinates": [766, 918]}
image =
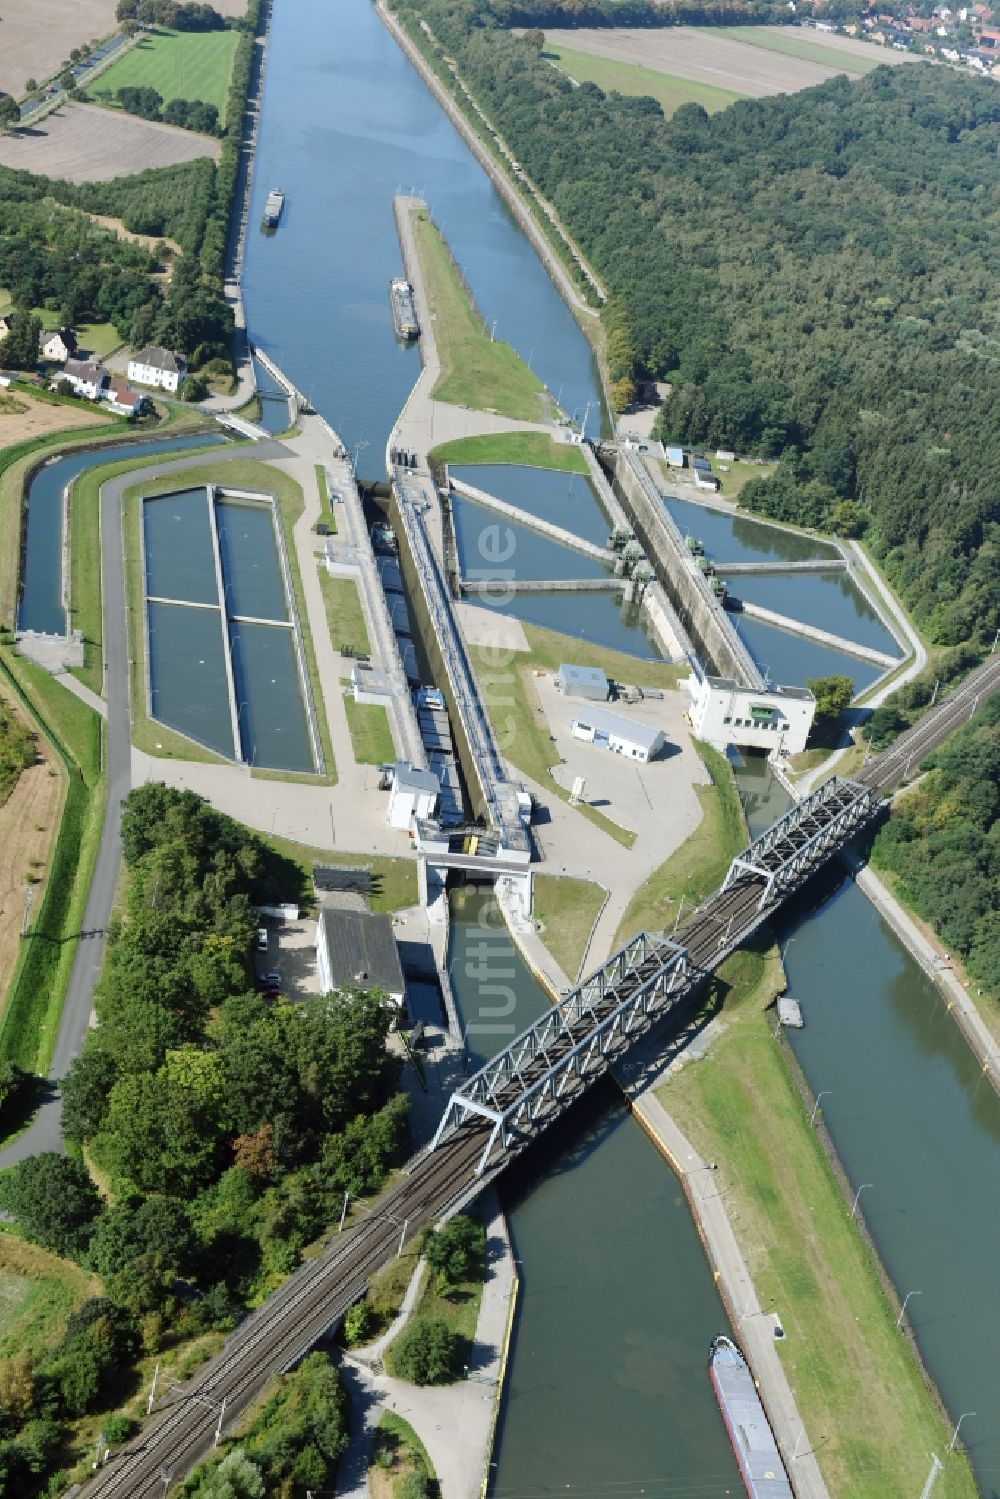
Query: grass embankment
{"type": "Point", "coordinates": [38, 986]}
{"type": "Point", "coordinates": [344, 614]}
{"type": "Point", "coordinates": [371, 738]}
{"type": "Point", "coordinates": [398, 1453]}
{"type": "Point", "coordinates": [394, 881]}
{"type": "Point", "coordinates": [700, 864]}
{"type": "Point", "coordinates": [518, 718]}
{"type": "Point", "coordinates": [567, 910]}
{"type": "Point", "coordinates": [458, 1307]}
{"type": "Point", "coordinates": [325, 506]}
{"type": "Point", "coordinates": [840, 59]}
{"type": "Point", "coordinates": [532, 449]}
{"type": "Point", "coordinates": [85, 590]}
{"type": "Point", "coordinates": [633, 78]}
{"type": "Point", "coordinates": [869, 1415]}
{"type": "Point", "coordinates": [232, 473]}
{"type": "Point", "coordinates": [178, 64]}
{"type": "Point", "coordinates": [475, 370]}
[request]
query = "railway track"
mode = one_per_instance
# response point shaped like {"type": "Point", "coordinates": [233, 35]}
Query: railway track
{"type": "Point", "coordinates": [435, 1183]}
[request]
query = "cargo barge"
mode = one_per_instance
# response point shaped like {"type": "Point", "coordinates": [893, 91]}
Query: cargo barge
{"type": "Point", "coordinates": [750, 1433]}
{"type": "Point", "coordinates": [272, 209]}
{"type": "Point", "coordinates": [404, 310]}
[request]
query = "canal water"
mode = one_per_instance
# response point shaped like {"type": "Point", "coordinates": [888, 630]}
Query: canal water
{"type": "Point", "coordinates": [345, 124]}
{"type": "Point", "coordinates": [482, 535]}
{"type": "Point", "coordinates": [733, 538]}
{"type": "Point", "coordinates": [249, 555]}
{"type": "Point", "coordinates": [607, 1390]}
{"type": "Point", "coordinates": [177, 539]}
{"type": "Point", "coordinates": [791, 659]}
{"type": "Point", "coordinates": [909, 1112]}
{"type": "Point", "coordinates": [41, 604]}
{"type": "Point", "coordinates": [830, 600]}
{"type": "Point", "coordinates": [189, 690]}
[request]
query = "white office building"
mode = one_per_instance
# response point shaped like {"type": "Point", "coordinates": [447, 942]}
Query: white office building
{"type": "Point", "coordinates": [414, 795]}
{"type": "Point", "coordinates": [724, 712]}
{"type": "Point", "coordinates": [612, 731]}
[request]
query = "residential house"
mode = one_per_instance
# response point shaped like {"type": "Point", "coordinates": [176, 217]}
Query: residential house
{"type": "Point", "coordinates": [122, 398]}
{"type": "Point", "coordinates": [158, 367]}
{"type": "Point", "coordinates": [88, 378]}
{"type": "Point", "coordinates": [57, 344]}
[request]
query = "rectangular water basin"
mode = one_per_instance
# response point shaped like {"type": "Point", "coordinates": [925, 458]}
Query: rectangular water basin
{"type": "Point", "coordinates": [269, 699]}
{"type": "Point", "coordinates": [177, 536]}
{"type": "Point", "coordinates": [251, 571]}
{"type": "Point", "coordinates": [187, 674]}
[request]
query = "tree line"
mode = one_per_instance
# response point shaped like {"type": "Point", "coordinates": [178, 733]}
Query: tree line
{"type": "Point", "coordinates": [812, 273]}
{"type": "Point", "coordinates": [227, 1125]}
{"type": "Point", "coordinates": [176, 16]}
{"type": "Point", "coordinates": [147, 103]}
{"type": "Point", "coordinates": [942, 842]}
{"type": "Point", "coordinates": [637, 12]}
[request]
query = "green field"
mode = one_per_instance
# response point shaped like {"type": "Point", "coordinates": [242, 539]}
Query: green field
{"type": "Point", "coordinates": [830, 57]}
{"type": "Point", "coordinates": [868, 1414]}
{"type": "Point", "coordinates": [475, 370]}
{"type": "Point", "coordinates": [533, 449]}
{"type": "Point", "coordinates": [178, 64]}
{"type": "Point", "coordinates": [344, 614]}
{"type": "Point", "coordinates": [631, 78]}
{"type": "Point", "coordinates": [394, 881]}
{"type": "Point", "coordinates": [371, 738]}
{"type": "Point", "coordinates": [567, 910]}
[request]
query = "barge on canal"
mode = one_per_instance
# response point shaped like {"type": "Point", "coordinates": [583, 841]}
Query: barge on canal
{"type": "Point", "coordinates": [273, 209]}
{"type": "Point", "coordinates": [750, 1433]}
{"type": "Point", "coordinates": [404, 309]}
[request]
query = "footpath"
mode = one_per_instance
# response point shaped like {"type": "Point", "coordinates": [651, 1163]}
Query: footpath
{"type": "Point", "coordinates": [454, 1422]}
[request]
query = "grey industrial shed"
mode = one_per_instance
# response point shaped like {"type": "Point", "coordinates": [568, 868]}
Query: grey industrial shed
{"type": "Point", "coordinates": [583, 681]}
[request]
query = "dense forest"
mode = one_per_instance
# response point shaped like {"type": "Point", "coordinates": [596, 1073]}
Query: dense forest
{"type": "Point", "coordinates": [227, 1125]}
{"type": "Point", "coordinates": [638, 12]}
{"type": "Point", "coordinates": [815, 276]}
{"type": "Point", "coordinates": [943, 842]}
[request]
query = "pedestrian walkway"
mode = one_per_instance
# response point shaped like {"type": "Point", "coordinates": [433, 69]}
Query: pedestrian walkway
{"type": "Point", "coordinates": [454, 1422]}
{"type": "Point", "coordinates": [83, 693]}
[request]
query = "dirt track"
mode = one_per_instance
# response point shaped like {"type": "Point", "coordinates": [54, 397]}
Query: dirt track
{"type": "Point", "coordinates": [84, 143]}
{"type": "Point", "coordinates": [702, 55]}
{"type": "Point", "coordinates": [29, 820]}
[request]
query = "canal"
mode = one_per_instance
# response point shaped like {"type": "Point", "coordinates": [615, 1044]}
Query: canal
{"type": "Point", "coordinates": [608, 1388]}
{"type": "Point", "coordinates": [606, 1382]}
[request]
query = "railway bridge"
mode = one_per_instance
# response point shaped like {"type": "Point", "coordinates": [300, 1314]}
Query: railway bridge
{"type": "Point", "coordinates": [509, 1102]}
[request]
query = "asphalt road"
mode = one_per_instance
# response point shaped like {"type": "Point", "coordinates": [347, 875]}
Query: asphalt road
{"type": "Point", "coordinates": [45, 1131]}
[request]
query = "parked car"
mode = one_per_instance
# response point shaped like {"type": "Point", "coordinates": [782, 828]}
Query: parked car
{"type": "Point", "coordinates": [261, 943]}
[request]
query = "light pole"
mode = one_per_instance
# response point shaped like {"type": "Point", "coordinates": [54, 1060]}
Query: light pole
{"type": "Point", "coordinates": [857, 1197]}
{"type": "Point", "coordinates": [902, 1309]}
{"type": "Point", "coordinates": [825, 1093]}
{"type": "Point", "coordinates": [958, 1423]}
{"type": "Point", "coordinates": [493, 331]}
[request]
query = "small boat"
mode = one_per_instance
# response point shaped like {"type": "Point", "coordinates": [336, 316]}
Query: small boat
{"type": "Point", "coordinates": [404, 310]}
{"type": "Point", "coordinates": [272, 209]}
{"type": "Point", "coordinates": [750, 1433]}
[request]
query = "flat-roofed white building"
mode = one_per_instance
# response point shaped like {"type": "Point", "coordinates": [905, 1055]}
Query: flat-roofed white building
{"type": "Point", "coordinates": [623, 736]}
{"type": "Point", "coordinates": [725, 712]}
{"type": "Point", "coordinates": [414, 795]}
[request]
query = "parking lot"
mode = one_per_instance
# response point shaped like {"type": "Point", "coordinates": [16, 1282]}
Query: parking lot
{"type": "Point", "coordinates": [291, 953]}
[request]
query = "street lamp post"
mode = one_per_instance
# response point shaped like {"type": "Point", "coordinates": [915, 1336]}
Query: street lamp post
{"type": "Point", "coordinates": [958, 1423]}
{"type": "Point", "coordinates": [902, 1309]}
{"type": "Point", "coordinates": [824, 1093]}
{"type": "Point", "coordinates": [857, 1197]}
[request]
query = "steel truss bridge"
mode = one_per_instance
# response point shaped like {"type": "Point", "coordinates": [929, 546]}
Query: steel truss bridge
{"type": "Point", "coordinates": [506, 1104]}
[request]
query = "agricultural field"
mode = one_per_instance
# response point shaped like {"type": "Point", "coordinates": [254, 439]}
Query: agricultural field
{"type": "Point", "coordinates": [22, 418]}
{"type": "Point", "coordinates": [178, 64]}
{"type": "Point", "coordinates": [749, 61]}
{"type": "Point", "coordinates": [29, 820]}
{"type": "Point", "coordinates": [39, 34]}
{"type": "Point", "coordinates": [85, 143]}
{"type": "Point", "coordinates": [637, 78]}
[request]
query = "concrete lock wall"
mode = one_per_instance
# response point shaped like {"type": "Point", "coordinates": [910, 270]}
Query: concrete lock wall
{"type": "Point", "coordinates": [428, 640]}
{"type": "Point", "coordinates": [709, 634]}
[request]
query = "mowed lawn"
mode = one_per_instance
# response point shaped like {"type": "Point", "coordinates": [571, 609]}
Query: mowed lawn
{"type": "Point", "coordinates": [838, 58]}
{"type": "Point", "coordinates": [178, 64]}
{"type": "Point", "coordinates": [632, 78]}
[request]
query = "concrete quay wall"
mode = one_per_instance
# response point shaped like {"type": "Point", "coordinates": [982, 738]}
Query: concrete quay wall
{"type": "Point", "coordinates": [535, 523]}
{"type": "Point", "coordinates": [711, 632]}
{"type": "Point", "coordinates": [814, 632]}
